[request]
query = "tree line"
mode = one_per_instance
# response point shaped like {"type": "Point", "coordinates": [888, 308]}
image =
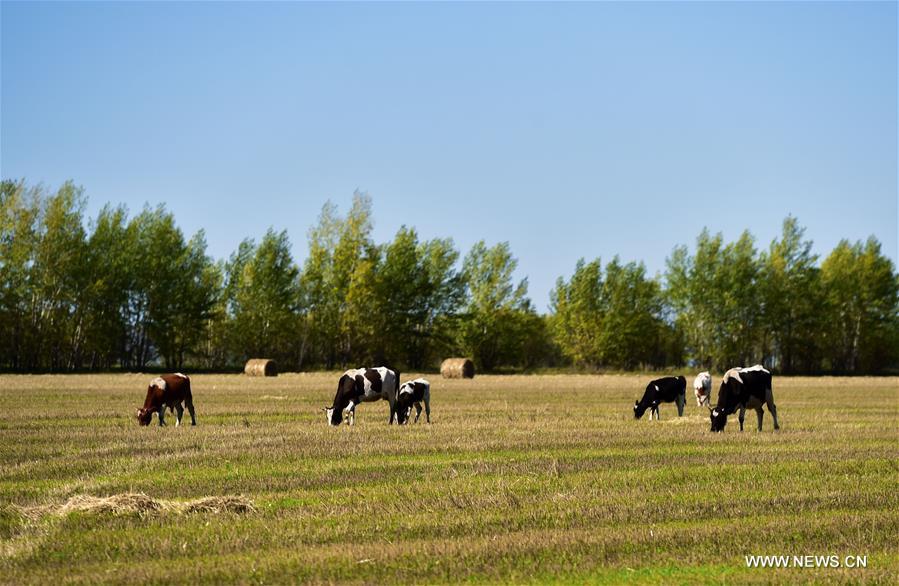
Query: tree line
{"type": "Point", "coordinates": [120, 292]}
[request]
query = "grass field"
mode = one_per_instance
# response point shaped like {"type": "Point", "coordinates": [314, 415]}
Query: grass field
{"type": "Point", "coordinates": [518, 479]}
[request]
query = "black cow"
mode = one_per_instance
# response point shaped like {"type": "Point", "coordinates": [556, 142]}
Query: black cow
{"type": "Point", "coordinates": [662, 390]}
{"type": "Point", "coordinates": [362, 385]}
{"type": "Point", "coordinates": [742, 388]}
{"type": "Point", "coordinates": [413, 393]}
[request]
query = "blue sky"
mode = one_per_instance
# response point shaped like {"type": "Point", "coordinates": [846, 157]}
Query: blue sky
{"type": "Point", "coordinates": [570, 130]}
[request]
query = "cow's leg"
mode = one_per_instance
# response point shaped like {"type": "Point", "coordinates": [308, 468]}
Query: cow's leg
{"type": "Point", "coordinates": [179, 413]}
{"type": "Point", "coordinates": [417, 411]}
{"type": "Point", "coordinates": [161, 413]}
{"type": "Point", "coordinates": [681, 401]}
{"type": "Point", "coordinates": [772, 408]}
{"type": "Point", "coordinates": [760, 414]}
{"type": "Point", "coordinates": [742, 416]}
{"type": "Point", "coordinates": [190, 409]}
{"type": "Point", "coordinates": [392, 401]}
{"type": "Point", "coordinates": [428, 408]}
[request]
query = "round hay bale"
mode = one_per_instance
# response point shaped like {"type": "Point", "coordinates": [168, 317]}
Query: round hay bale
{"type": "Point", "coordinates": [260, 367]}
{"type": "Point", "coordinates": [457, 368]}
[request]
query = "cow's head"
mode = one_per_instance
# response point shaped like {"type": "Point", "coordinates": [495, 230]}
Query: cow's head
{"type": "Point", "coordinates": [639, 409]}
{"type": "Point", "coordinates": [144, 416]}
{"type": "Point", "coordinates": [403, 408]}
{"type": "Point", "coordinates": [718, 418]}
{"type": "Point", "coordinates": [333, 416]}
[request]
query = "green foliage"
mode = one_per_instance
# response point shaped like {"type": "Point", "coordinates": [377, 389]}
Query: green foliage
{"type": "Point", "coordinates": [492, 328]}
{"type": "Point", "coordinates": [861, 289]}
{"type": "Point", "coordinates": [338, 284]}
{"type": "Point", "coordinates": [419, 290]}
{"type": "Point", "coordinates": [780, 309]}
{"type": "Point", "coordinates": [792, 295]}
{"type": "Point", "coordinates": [716, 297]}
{"type": "Point", "coordinates": [262, 297]}
{"type": "Point", "coordinates": [134, 293]}
{"type": "Point", "coordinates": [609, 319]}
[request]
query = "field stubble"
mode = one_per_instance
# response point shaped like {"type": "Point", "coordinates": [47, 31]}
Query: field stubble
{"type": "Point", "coordinates": [518, 479]}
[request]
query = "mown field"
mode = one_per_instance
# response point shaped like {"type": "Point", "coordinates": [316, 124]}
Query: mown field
{"type": "Point", "coordinates": [518, 479]}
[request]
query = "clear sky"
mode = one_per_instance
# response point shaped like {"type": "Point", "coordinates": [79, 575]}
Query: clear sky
{"type": "Point", "coordinates": [570, 130]}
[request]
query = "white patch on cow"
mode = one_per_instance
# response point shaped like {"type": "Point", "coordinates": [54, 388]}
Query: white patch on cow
{"type": "Point", "coordinates": [703, 381]}
{"type": "Point", "coordinates": [656, 388]}
{"type": "Point", "coordinates": [735, 372]}
{"type": "Point", "coordinates": [732, 373]}
{"type": "Point", "coordinates": [178, 374]}
{"type": "Point", "coordinates": [409, 386]}
{"type": "Point", "coordinates": [158, 382]}
{"type": "Point", "coordinates": [757, 367]}
{"type": "Point", "coordinates": [351, 414]}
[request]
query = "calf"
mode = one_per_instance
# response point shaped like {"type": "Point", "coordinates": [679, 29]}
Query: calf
{"type": "Point", "coordinates": [413, 393]}
{"type": "Point", "coordinates": [702, 388]}
{"type": "Point", "coordinates": [742, 388]}
{"type": "Point", "coordinates": [362, 385]}
{"type": "Point", "coordinates": [663, 390]}
{"type": "Point", "coordinates": [168, 390]}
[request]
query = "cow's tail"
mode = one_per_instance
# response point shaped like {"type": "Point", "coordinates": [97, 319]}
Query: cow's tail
{"type": "Point", "coordinates": [396, 384]}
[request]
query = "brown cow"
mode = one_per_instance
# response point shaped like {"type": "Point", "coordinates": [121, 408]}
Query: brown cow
{"type": "Point", "coordinates": [168, 390]}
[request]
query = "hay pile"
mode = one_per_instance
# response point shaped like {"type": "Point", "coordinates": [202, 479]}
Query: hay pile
{"type": "Point", "coordinates": [457, 368]}
{"type": "Point", "coordinates": [260, 367]}
{"type": "Point", "coordinates": [141, 504]}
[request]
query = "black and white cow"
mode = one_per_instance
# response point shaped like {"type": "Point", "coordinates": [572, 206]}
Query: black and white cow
{"type": "Point", "coordinates": [742, 388]}
{"type": "Point", "coordinates": [362, 385]}
{"type": "Point", "coordinates": [662, 390]}
{"type": "Point", "coordinates": [413, 393]}
{"type": "Point", "coordinates": [702, 388]}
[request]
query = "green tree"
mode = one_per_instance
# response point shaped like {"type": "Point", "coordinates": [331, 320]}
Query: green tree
{"type": "Point", "coordinates": [20, 208]}
{"type": "Point", "coordinates": [716, 297]}
{"type": "Point", "coordinates": [417, 285]}
{"type": "Point", "coordinates": [490, 331]}
{"type": "Point", "coordinates": [262, 290]}
{"type": "Point", "coordinates": [58, 280]}
{"type": "Point", "coordinates": [338, 285]}
{"type": "Point", "coordinates": [791, 291]}
{"type": "Point", "coordinates": [172, 294]}
{"type": "Point", "coordinates": [578, 312]}
{"type": "Point", "coordinates": [631, 327]}
{"type": "Point", "coordinates": [110, 278]}
{"type": "Point", "coordinates": [862, 305]}
{"type": "Point", "coordinates": [612, 319]}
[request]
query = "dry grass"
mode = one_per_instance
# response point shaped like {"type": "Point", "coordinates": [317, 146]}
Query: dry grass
{"type": "Point", "coordinates": [518, 479]}
{"type": "Point", "coordinates": [139, 503]}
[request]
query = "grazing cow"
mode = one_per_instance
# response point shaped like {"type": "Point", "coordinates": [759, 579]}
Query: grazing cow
{"type": "Point", "coordinates": [413, 393]}
{"type": "Point", "coordinates": [742, 388]}
{"type": "Point", "coordinates": [362, 385]}
{"type": "Point", "coordinates": [168, 390]}
{"type": "Point", "coordinates": [662, 390]}
{"type": "Point", "coordinates": [702, 388]}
